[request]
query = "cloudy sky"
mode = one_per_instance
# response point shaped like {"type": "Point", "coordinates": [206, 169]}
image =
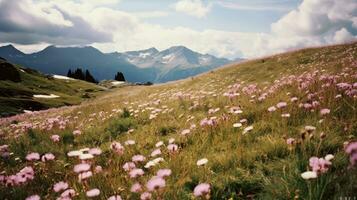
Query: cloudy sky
{"type": "Point", "coordinates": [226, 28]}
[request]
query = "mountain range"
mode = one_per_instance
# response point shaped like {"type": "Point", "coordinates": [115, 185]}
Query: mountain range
{"type": "Point", "coordinates": [138, 66]}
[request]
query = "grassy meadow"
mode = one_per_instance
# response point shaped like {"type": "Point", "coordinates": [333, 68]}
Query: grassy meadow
{"type": "Point", "coordinates": [257, 124]}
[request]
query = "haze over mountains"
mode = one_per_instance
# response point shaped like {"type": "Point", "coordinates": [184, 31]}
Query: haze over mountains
{"type": "Point", "coordinates": [138, 66]}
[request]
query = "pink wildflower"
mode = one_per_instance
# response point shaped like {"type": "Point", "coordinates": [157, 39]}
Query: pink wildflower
{"type": "Point", "coordinates": [136, 173]}
{"type": "Point", "coordinates": [77, 132]}
{"type": "Point", "coordinates": [185, 131]}
{"type": "Point", "coordinates": [155, 153]}
{"type": "Point", "coordinates": [155, 183]}
{"type": "Point", "coordinates": [81, 167]}
{"type": "Point", "coordinates": [172, 147]}
{"type": "Point", "coordinates": [136, 188]}
{"type": "Point", "coordinates": [47, 157]}
{"type": "Point", "coordinates": [290, 141]}
{"type": "Point", "coordinates": [68, 193]}
{"type": "Point", "coordinates": [33, 197]}
{"type": "Point", "coordinates": [138, 158]}
{"type": "Point", "coordinates": [351, 150]}
{"type": "Point", "coordinates": [85, 175]}
{"type": "Point", "coordinates": [55, 138]}
{"type": "Point", "coordinates": [128, 166]}
{"type": "Point", "coordinates": [117, 147]}
{"type": "Point", "coordinates": [93, 192]}
{"type": "Point", "coordinates": [324, 111]}
{"type": "Point", "coordinates": [60, 186]}
{"type": "Point", "coordinates": [201, 190]}
{"type": "Point", "coordinates": [145, 196]}
{"type": "Point", "coordinates": [95, 151]}
{"type": "Point", "coordinates": [163, 173]}
{"type": "Point", "coordinates": [272, 109]}
{"type": "Point", "coordinates": [281, 105]}
{"type": "Point", "coordinates": [319, 165]}
{"type": "Point", "coordinates": [33, 156]}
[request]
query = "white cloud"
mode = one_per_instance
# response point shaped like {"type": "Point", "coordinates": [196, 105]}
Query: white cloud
{"type": "Point", "coordinates": [150, 14]}
{"type": "Point", "coordinates": [220, 43]}
{"type": "Point", "coordinates": [254, 7]}
{"type": "Point", "coordinates": [315, 22]}
{"type": "Point", "coordinates": [30, 22]}
{"type": "Point", "coordinates": [194, 8]}
{"type": "Point", "coordinates": [343, 36]}
{"type": "Point", "coordinates": [100, 2]}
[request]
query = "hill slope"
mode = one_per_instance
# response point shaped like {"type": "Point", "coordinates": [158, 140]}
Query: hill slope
{"type": "Point", "coordinates": [260, 124]}
{"type": "Point", "coordinates": [18, 85]}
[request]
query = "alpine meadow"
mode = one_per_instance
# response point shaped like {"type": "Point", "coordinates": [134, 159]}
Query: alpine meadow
{"type": "Point", "coordinates": [263, 108]}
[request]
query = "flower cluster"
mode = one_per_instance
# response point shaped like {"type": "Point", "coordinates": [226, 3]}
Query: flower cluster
{"type": "Point", "coordinates": [20, 178]}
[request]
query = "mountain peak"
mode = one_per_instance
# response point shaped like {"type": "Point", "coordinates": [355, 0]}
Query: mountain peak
{"type": "Point", "coordinates": [152, 49]}
{"type": "Point", "coordinates": [179, 47]}
{"type": "Point", "coordinates": [9, 47]}
{"type": "Point", "coordinates": [70, 50]}
{"type": "Point", "coordinates": [10, 50]}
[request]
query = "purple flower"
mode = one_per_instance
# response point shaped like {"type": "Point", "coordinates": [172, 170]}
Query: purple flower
{"type": "Point", "coordinates": [77, 132]}
{"type": "Point", "coordinates": [290, 141]}
{"type": "Point", "coordinates": [117, 147]}
{"type": "Point", "coordinates": [163, 173]}
{"type": "Point", "coordinates": [155, 153]}
{"type": "Point", "coordinates": [136, 188]}
{"type": "Point", "coordinates": [319, 165]}
{"type": "Point", "coordinates": [129, 166]}
{"type": "Point", "coordinates": [138, 158]}
{"type": "Point", "coordinates": [60, 186]}
{"type": "Point", "coordinates": [281, 105]}
{"type": "Point", "coordinates": [47, 157]}
{"type": "Point", "coordinates": [81, 167]}
{"type": "Point", "coordinates": [172, 147]}
{"type": "Point", "coordinates": [145, 196]}
{"type": "Point", "coordinates": [55, 138]}
{"type": "Point", "coordinates": [95, 151]}
{"type": "Point", "coordinates": [136, 172]}
{"type": "Point", "coordinates": [33, 156]}
{"type": "Point", "coordinates": [202, 189]}
{"type": "Point", "coordinates": [324, 111]}
{"type": "Point", "coordinates": [33, 197]}
{"type": "Point", "coordinates": [351, 149]}
{"type": "Point", "coordinates": [155, 183]}
{"type": "Point", "coordinates": [93, 192]}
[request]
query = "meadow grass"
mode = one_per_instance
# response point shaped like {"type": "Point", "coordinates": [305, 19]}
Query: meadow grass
{"type": "Point", "coordinates": [258, 164]}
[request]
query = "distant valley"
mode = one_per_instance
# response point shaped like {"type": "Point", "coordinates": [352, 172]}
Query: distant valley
{"type": "Point", "coordinates": [138, 66]}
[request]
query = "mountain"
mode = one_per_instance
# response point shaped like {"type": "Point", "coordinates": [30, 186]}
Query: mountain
{"type": "Point", "coordinates": [58, 60]}
{"type": "Point", "coordinates": [138, 66]}
{"type": "Point", "coordinates": [173, 63]}
{"type": "Point", "coordinates": [10, 52]}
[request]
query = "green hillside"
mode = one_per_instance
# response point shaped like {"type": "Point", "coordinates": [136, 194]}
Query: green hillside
{"type": "Point", "coordinates": [260, 124]}
{"type": "Point", "coordinates": [17, 95]}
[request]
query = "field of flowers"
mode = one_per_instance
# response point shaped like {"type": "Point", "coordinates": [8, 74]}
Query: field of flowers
{"type": "Point", "coordinates": [282, 127]}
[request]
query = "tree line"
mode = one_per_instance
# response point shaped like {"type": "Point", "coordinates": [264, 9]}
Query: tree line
{"type": "Point", "coordinates": [87, 76]}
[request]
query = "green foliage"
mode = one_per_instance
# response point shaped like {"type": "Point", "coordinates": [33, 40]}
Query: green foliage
{"type": "Point", "coordinates": [120, 126]}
